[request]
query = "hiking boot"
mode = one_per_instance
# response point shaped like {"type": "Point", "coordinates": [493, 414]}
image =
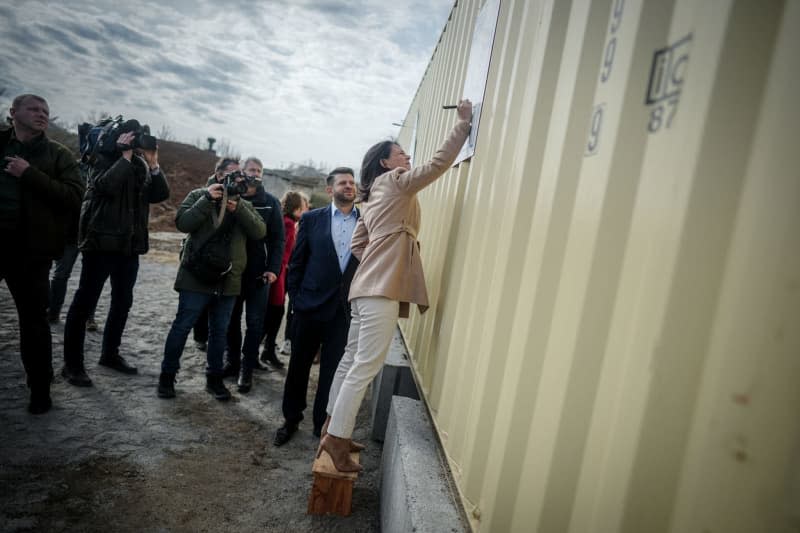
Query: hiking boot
{"type": "Point", "coordinates": [216, 387]}
{"type": "Point", "coordinates": [166, 385]}
{"type": "Point", "coordinates": [76, 376]}
{"type": "Point", "coordinates": [245, 382]}
{"type": "Point", "coordinates": [117, 362]}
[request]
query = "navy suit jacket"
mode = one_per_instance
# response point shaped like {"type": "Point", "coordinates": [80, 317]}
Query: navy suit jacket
{"type": "Point", "coordinates": [314, 282]}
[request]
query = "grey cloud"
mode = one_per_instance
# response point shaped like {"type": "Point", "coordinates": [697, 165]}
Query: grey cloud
{"type": "Point", "coordinates": [84, 32]}
{"type": "Point", "coordinates": [5, 59]}
{"type": "Point", "coordinates": [130, 70]}
{"type": "Point", "coordinates": [188, 73]}
{"type": "Point", "coordinates": [349, 11]}
{"type": "Point", "coordinates": [222, 85]}
{"type": "Point", "coordinates": [118, 31]}
{"type": "Point", "coordinates": [281, 50]}
{"type": "Point", "coordinates": [22, 36]}
{"type": "Point", "coordinates": [110, 51]}
{"type": "Point", "coordinates": [196, 107]}
{"type": "Point", "coordinates": [280, 69]}
{"type": "Point", "coordinates": [222, 62]}
{"type": "Point", "coordinates": [63, 38]}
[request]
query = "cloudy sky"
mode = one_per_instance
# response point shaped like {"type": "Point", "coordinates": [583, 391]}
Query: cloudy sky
{"type": "Point", "coordinates": [285, 80]}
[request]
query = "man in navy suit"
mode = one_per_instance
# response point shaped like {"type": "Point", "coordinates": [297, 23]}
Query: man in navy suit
{"type": "Point", "coordinates": [318, 281]}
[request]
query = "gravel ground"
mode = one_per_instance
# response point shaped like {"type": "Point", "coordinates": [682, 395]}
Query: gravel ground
{"type": "Point", "coordinates": [115, 457]}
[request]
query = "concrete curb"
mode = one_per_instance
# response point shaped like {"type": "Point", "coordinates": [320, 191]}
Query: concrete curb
{"type": "Point", "coordinates": [415, 493]}
{"type": "Point", "coordinates": [394, 379]}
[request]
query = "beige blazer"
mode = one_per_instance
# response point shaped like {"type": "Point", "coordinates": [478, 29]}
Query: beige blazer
{"type": "Point", "coordinates": [385, 238]}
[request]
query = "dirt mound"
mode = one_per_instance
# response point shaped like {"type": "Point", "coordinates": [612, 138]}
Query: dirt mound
{"type": "Point", "coordinates": [186, 167]}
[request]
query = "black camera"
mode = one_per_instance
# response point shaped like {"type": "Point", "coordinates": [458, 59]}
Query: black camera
{"type": "Point", "coordinates": [233, 187]}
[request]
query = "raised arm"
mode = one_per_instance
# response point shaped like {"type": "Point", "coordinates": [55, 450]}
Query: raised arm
{"type": "Point", "coordinates": [423, 175]}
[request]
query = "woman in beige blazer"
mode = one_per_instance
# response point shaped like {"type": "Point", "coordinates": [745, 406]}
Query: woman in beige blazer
{"type": "Point", "coordinates": [389, 276]}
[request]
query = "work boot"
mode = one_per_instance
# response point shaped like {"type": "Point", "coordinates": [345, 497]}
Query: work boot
{"type": "Point", "coordinates": [284, 433]}
{"type": "Point", "coordinates": [245, 382]}
{"type": "Point", "coordinates": [216, 387]}
{"type": "Point", "coordinates": [166, 385]}
{"type": "Point", "coordinates": [40, 399]}
{"type": "Point", "coordinates": [117, 362]}
{"type": "Point", "coordinates": [76, 375]}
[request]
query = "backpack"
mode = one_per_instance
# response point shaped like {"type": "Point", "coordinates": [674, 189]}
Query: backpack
{"type": "Point", "coordinates": [209, 259]}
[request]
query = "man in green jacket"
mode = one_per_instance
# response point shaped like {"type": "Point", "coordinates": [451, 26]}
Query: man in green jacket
{"type": "Point", "coordinates": [40, 190]}
{"type": "Point", "coordinates": [236, 222]}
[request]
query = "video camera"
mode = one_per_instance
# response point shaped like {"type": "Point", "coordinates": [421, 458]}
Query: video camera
{"type": "Point", "coordinates": [233, 187]}
{"type": "Point", "coordinates": [111, 129]}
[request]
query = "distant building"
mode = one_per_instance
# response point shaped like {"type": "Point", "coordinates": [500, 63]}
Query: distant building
{"type": "Point", "coordinates": [300, 178]}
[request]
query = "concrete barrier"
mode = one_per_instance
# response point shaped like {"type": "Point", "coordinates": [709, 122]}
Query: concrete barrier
{"type": "Point", "coordinates": [395, 379]}
{"type": "Point", "coordinates": [415, 489]}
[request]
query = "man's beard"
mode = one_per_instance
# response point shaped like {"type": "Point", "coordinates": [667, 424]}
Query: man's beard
{"type": "Point", "coordinates": [342, 199]}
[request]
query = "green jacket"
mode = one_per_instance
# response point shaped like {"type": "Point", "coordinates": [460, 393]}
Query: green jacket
{"type": "Point", "coordinates": [195, 217]}
{"type": "Point", "coordinates": [50, 193]}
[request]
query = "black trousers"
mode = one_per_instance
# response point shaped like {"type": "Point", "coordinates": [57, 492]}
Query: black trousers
{"type": "Point", "coordinates": [27, 280]}
{"type": "Point", "coordinates": [97, 268]}
{"type": "Point", "coordinates": [309, 334]}
{"type": "Point", "coordinates": [272, 323]}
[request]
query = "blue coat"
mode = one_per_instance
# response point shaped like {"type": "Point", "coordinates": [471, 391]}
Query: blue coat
{"type": "Point", "coordinates": [315, 284]}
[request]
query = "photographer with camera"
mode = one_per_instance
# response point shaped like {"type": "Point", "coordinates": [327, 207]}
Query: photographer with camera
{"type": "Point", "coordinates": [125, 179]}
{"type": "Point", "coordinates": [213, 258]}
{"type": "Point", "coordinates": [40, 190]}
{"type": "Point", "coordinates": [263, 266]}
{"type": "Point", "coordinates": [224, 166]}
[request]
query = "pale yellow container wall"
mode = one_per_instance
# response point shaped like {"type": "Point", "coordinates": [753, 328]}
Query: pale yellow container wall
{"type": "Point", "coordinates": [613, 343]}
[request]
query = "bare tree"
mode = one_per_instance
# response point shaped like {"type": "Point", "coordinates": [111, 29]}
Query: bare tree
{"type": "Point", "coordinates": [165, 133]}
{"type": "Point", "coordinates": [225, 149]}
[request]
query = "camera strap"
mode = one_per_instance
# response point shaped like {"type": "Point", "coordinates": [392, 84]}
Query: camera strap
{"type": "Point", "coordinates": [217, 218]}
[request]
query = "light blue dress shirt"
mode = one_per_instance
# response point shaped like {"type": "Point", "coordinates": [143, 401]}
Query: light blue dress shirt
{"type": "Point", "coordinates": [342, 227]}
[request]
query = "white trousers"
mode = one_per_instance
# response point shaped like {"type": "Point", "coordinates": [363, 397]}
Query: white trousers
{"type": "Point", "coordinates": [372, 326]}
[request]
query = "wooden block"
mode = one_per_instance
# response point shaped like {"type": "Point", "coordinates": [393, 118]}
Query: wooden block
{"type": "Point", "coordinates": [332, 492]}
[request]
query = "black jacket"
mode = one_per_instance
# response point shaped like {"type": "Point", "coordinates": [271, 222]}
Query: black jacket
{"type": "Point", "coordinates": [265, 255]}
{"type": "Point", "coordinates": [116, 208]}
{"type": "Point", "coordinates": [49, 195]}
{"type": "Point", "coordinates": [315, 284]}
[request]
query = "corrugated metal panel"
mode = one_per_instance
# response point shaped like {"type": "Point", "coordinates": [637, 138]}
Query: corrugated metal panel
{"type": "Point", "coordinates": [614, 337]}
